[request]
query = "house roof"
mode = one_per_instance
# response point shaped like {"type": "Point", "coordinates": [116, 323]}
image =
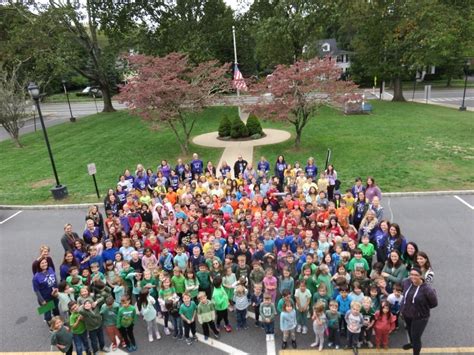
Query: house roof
{"type": "Point", "coordinates": [329, 47]}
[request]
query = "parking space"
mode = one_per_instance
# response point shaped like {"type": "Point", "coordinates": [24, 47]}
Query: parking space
{"type": "Point", "coordinates": [441, 225]}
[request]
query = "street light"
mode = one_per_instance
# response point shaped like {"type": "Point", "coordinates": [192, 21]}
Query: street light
{"type": "Point", "coordinates": [466, 70]}
{"type": "Point", "coordinates": [72, 118]}
{"type": "Point", "coordinates": [59, 191]}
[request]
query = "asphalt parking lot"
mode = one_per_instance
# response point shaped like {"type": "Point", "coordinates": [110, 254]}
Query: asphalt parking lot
{"type": "Point", "coordinates": [441, 225]}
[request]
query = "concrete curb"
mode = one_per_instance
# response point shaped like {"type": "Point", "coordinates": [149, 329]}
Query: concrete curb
{"type": "Point", "coordinates": [85, 205]}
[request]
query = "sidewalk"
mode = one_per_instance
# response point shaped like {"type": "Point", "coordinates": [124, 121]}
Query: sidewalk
{"type": "Point", "coordinates": [232, 149]}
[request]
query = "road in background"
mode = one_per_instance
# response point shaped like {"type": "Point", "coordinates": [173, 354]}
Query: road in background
{"type": "Point", "coordinates": [56, 113]}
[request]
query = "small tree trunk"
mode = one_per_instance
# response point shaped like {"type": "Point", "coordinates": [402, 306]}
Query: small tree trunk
{"type": "Point", "coordinates": [398, 89]}
{"type": "Point", "coordinates": [448, 83]}
{"type": "Point", "coordinates": [107, 98]}
{"type": "Point", "coordinates": [17, 142]}
{"type": "Point", "coordinates": [298, 139]}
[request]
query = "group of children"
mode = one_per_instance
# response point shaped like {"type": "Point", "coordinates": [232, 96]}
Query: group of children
{"type": "Point", "coordinates": [324, 263]}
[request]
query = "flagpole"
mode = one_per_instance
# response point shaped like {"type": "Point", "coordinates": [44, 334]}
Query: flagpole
{"type": "Point", "coordinates": [235, 59]}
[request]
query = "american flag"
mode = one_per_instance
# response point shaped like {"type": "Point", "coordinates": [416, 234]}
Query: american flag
{"type": "Point", "coordinates": [238, 82]}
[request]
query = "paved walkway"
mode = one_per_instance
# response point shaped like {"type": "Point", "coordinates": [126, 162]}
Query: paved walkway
{"type": "Point", "coordinates": [244, 148]}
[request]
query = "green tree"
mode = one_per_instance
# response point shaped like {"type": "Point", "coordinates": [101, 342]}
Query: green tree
{"type": "Point", "coordinates": [253, 125]}
{"type": "Point", "coordinates": [224, 127]}
{"type": "Point", "coordinates": [238, 128]}
{"type": "Point", "coordinates": [12, 103]}
{"type": "Point", "coordinates": [394, 38]}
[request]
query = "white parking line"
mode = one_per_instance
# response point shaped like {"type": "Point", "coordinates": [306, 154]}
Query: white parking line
{"type": "Point", "coordinates": [211, 342]}
{"type": "Point", "coordinates": [15, 214]}
{"type": "Point", "coordinates": [464, 202]}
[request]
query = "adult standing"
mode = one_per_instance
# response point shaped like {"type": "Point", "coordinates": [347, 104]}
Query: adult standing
{"type": "Point", "coordinates": [263, 166]}
{"type": "Point", "coordinates": [94, 214]}
{"type": "Point", "coordinates": [280, 167]}
{"type": "Point", "coordinates": [361, 206]}
{"type": "Point", "coordinates": [69, 237]}
{"type": "Point", "coordinates": [45, 287]}
{"type": "Point", "coordinates": [239, 166]}
{"type": "Point", "coordinates": [331, 175]}
{"type": "Point", "coordinates": [418, 299]}
{"type": "Point", "coordinates": [197, 165]}
{"type": "Point", "coordinates": [394, 269]}
{"type": "Point", "coordinates": [372, 190]}
{"type": "Point", "coordinates": [423, 262]}
{"type": "Point", "coordinates": [43, 254]}
{"type": "Point", "coordinates": [311, 169]}
{"type": "Point", "coordinates": [396, 241]}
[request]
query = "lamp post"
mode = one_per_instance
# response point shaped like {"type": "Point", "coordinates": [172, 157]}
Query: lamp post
{"type": "Point", "coordinates": [466, 69]}
{"type": "Point", "coordinates": [72, 118]}
{"type": "Point", "coordinates": [59, 191]}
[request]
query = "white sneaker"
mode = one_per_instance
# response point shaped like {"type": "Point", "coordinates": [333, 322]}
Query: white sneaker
{"type": "Point", "coordinates": [370, 345]}
{"type": "Point", "coordinates": [158, 336]}
{"type": "Point", "coordinates": [167, 331]}
{"type": "Point", "coordinates": [330, 345]}
{"type": "Point", "coordinates": [314, 345]}
{"type": "Point", "coordinates": [150, 338]}
{"type": "Point", "coordinates": [337, 347]}
{"type": "Point", "coordinates": [272, 336]}
{"type": "Point", "coordinates": [267, 337]}
{"type": "Point", "coordinates": [305, 330]}
{"type": "Point", "coordinates": [298, 328]}
{"type": "Point", "coordinates": [320, 348]}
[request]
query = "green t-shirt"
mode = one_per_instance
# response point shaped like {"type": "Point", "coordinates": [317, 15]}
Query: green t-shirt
{"type": "Point", "coordinates": [109, 314]}
{"type": "Point", "coordinates": [192, 286]}
{"type": "Point", "coordinates": [188, 311]}
{"type": "Point", "coordinates": [204, 280]}
{"type": "Point", "coordinates": [178, 283]}
{"type": "Point", "coordinates": [126, 316]}
{"type": "Point", "coordinates": [220, 299]}
{"type": "Point", "coordinates": [80, 327]}
{"type": "Point", "coordinates": [62, 337]}
{"type": "Point", "coordinates": [333, 319]}
{"type": "Point", "coordinates": [152, 290]}
{"type": "Point", "coordinates": [354, 263]}
{"type": "Point", "coordinates": [165, 294]}
{"type": "Point", "coordinates": [367, 250]}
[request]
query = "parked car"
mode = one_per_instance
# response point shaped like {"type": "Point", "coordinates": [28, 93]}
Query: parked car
{"type": "Point", "coordinates": [91, 91]}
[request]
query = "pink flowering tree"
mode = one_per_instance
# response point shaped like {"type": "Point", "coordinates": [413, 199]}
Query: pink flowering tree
{"type": "Point", "coordinates": [167, 90]}
{"type": "Point", "coordinates": [295, 93]}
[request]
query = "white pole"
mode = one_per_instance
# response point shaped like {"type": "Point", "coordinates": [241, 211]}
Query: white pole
{"type": "Point", "coordinates": [235, 59]}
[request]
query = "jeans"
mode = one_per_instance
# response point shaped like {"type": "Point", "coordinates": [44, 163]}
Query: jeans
{"type": "Point", "coordinates": [352, 339]}
{"type": "Point", "coordinates": [241, 316]}
{"type": "Point", "coordinates": [301, 318]}
{"type": "Point", "coordinates": [269, 327]}
{"type": "Point", "coordinates": [415, 329]}
{"type": "Point", "coordinates": [222, 315]}
{"type": "Point", "coordinates": [55, 311]}
{"type": "Point", "coordinates": [81, 343]}
{"type": "Point", "coordinates": [334, 336]}
{"type": "Point", "coordinates": [128, 336]}
{"type": "Point", "coordinates": [178, 326]}
{"type": "Point", "coordinates": [207, 325]}
{"type": "Point", "coordinates": [97, 336]}
{"type": "Point", "coordinates": [189, 327]}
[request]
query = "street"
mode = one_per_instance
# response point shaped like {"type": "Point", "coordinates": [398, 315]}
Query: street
{"type": "Point", "coordinates": [59, 112]}
{"type": "Point", "coordinates": [441, 225]}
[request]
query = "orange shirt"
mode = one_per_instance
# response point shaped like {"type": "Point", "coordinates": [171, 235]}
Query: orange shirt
{"type": "Point", "coordinates": [172, 197]}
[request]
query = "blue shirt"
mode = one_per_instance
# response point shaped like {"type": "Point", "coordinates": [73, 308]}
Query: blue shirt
{"type": "Point", "coordinates": [344, 304]}
{"type": "Point", "coordinates": [311, 171]}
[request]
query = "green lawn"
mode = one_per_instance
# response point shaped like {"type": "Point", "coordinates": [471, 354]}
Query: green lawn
{"type": "Point", "coordinates": [113, 141]}
{"type": "Point", "coordinates": [404, 146]}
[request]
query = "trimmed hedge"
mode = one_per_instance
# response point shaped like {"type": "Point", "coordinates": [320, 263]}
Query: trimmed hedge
{"type": "Point", "coordinates": [253, 125]}
{"type": "Point", "coordinates": [238, 128]}
{"type": "Point", "coordinates": [225, 127]}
